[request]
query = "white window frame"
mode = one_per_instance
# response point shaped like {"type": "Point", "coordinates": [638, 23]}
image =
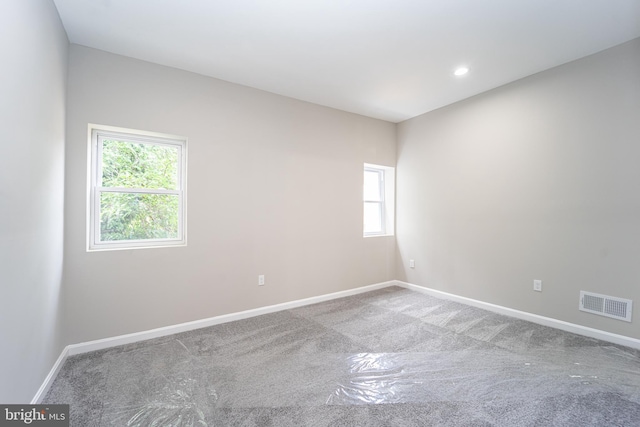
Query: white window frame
{"type": "Point", "coordinates": [387, 198]}
{"type": "Point", "coordinates": [96, 134]}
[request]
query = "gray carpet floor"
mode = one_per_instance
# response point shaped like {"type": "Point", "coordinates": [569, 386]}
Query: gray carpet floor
{"type": "Point", "coordinates": [391, 357]}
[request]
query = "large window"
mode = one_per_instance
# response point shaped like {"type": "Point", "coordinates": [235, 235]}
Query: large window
{"type": "Point", "coordinates": [378, 199]}
{"type": "Point", "coordinates": [137, 189]}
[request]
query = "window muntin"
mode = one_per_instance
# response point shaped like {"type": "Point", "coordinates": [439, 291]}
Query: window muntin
{"type": "Point", "coordinates": [137, 191]}
{"type": "Point", "coordinates": [378, 197]}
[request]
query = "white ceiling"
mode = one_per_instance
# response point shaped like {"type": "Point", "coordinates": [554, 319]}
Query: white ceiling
{"type": "Point", "coordinates": [388, 59]}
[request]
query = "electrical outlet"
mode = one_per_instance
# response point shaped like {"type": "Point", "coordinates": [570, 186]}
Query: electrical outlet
{"type": "Point", "coordinates": [412, 263]}
{"type": "Point", "coordinates": [261, 280]}
{"type": "Point", "coordinates": [537, 285]}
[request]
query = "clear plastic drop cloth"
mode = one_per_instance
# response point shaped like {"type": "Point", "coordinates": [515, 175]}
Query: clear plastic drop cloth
{"type": "Point", "coordinates": [390, 357]}
{"type": "Point", "coordinates": [484, 375]}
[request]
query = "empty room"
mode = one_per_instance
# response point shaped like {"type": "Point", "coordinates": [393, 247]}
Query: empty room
{"type": "Point", "coordinates": [320, 213]}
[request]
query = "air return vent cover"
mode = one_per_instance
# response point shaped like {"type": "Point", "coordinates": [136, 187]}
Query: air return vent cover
{"type": "Point", "coordinates": [617, 308]}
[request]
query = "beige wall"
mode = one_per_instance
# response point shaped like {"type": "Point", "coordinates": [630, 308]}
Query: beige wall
{"type": "Point", "coordinates": [538, 179]}
{"type": "Point", "coordinates": [33, 47]}
{"type": "Point", "coordinates": [274, 188]}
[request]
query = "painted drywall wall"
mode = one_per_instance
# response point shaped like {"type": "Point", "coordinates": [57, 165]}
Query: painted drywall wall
{"type": "Point", "coordinates": [274, 188]}
{"type": "Point", "coordinates": [534, 180]}
{"type": "Point", "coordinates": [34, 49]}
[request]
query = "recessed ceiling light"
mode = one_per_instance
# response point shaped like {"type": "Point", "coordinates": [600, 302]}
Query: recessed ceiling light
{"type": "Point", "coordinates": [461, 71]}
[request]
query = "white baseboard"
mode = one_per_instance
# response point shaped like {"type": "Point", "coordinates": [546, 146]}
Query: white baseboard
{"type": "Point", "coordinates": [541, 320]}
{"type": "Point", "coordinates": [101, 344]}
{"type": "Point", "coordinates": [44, 388]}
{"type": "Point", "coordinates": [203, 323]}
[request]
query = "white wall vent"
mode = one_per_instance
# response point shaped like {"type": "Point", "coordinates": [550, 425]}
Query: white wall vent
{"type": "Point", "coordinates": [616, 308]}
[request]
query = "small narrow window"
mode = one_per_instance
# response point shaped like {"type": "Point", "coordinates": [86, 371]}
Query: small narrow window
{"type": "Point", "coordinates": [137, 189]}
{"type": "Point", "coordinates": [378, 200]}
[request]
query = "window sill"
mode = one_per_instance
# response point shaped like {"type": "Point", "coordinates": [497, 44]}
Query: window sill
{"type": "Point", "coordinates": [106, 248]}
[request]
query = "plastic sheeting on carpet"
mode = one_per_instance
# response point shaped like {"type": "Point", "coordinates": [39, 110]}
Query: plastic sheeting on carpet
{"type": "Point", "coordinates": [388, 357]}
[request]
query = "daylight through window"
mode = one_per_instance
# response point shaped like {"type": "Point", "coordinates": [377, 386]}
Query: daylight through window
{"type": "Point", "coordinates": [137, 196]}
{"type": "Point", "coordinates": [378, 200]}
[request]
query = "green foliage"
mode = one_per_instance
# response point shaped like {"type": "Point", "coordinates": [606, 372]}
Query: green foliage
{"type": "Point", "coordinates": [135, 216]}
{"type": "Point", "coordinates": [135, 165]}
